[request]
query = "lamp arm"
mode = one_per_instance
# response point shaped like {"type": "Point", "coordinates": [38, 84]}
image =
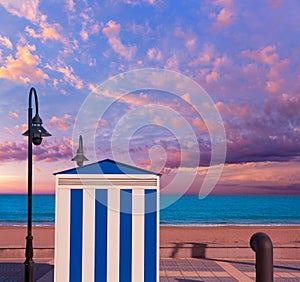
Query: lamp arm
{"type": "Point", "coordinates": [32, 90]}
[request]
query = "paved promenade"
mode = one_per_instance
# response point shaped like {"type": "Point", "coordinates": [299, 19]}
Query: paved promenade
{"type": "Point", "coordinates": [175, 270]}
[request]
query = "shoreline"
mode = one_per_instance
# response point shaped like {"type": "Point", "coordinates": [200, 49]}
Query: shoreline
{"type": "Point", "coordinates": [183, 225]}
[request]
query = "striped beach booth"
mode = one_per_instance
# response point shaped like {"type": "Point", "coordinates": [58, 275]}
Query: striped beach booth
{"type": "Point", "coordinates": [107, 224]}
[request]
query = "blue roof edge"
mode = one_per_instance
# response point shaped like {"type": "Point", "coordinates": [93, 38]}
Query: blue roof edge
{"type": "Point", "coordinates": [111, 161]}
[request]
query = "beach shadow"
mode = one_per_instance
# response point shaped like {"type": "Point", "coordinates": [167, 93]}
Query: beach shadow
{"type": "Point", "coordinates": [287, 267]}
{"type": "Point", "coordinates": [188, 280]}
{"type": "Point", "coordinates": [14, 271]}
{"type": "Point", "coordinates": [176, 248]}
{"type": "Point", "coordinates": [275, 264]}
{"type": "Point", "coordinates": [232, 261]}
{"type": "Point", "coordinates": [197, 249]}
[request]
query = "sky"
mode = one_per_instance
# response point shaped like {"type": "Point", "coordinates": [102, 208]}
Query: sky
{"type": "Point", "coordinates": [243, 54]}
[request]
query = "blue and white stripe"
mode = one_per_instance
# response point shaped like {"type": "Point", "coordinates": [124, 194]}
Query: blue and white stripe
{"type": "Point", "coordinates": [107, 235]}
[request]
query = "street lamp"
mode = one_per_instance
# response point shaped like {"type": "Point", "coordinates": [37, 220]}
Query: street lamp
{"type": "Point", "coordinates": [80, 157]}
{"type": "Point", "coordinates": [35, 135]}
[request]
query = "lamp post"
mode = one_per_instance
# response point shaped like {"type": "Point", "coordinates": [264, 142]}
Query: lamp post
{"type": "Point", "coordinates": [35, 135]}
{"type": "Point", "coordinates": [80, 157]}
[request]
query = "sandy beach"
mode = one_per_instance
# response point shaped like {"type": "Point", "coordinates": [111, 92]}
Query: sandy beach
{"type": "Point", "coordinates": [44, 235]}
{"type": "Point", "coordinates": [212, 264]}
{"type": "Point", "coordinates": [228, 234]}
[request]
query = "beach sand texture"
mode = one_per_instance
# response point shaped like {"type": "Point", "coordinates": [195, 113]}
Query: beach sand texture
{"type": "Point", "coordinates": [44, 235]}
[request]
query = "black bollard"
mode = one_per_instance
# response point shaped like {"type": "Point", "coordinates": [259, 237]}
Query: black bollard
{"type": "Point", "coordinates": [262, 245]}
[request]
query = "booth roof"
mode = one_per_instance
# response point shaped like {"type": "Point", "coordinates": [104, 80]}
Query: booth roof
{"type": "Point", "coordinates": [106, 166]}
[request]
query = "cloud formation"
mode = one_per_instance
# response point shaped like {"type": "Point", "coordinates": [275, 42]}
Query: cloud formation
{"type": "Point", "coordinates": [46, 33]}
{"type": "Point", "coordinates": [4, 41]}
{"type": "Point", "coordinates": [26, 9]}
{"type": "Point", "coordinates": [111, 31]}
{"type": "Point", "coordinates": [63, 123]}
{"type": "Point", "coordinates": [238, 51]}
{"type": "Point", "coordinates": [268, 56]}
{"type": "Point", "coordinates": [225, 16]}
{"type": "Point", "coordinates": [68, 75]}
{"type": "Point", "coordinates": [13, 115]}
{"type": "Point", "coordinates": [24, 67]}
{"type": "Point", "coordinates": [50, 151]}
{"type": "Point", "coordinates": [270, 135]}
{"type": "Point", "coordinates": [30, 11]}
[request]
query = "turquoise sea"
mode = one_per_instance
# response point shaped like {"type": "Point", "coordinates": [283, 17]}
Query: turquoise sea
{"type": "Point", "coordinates": [186, 210]}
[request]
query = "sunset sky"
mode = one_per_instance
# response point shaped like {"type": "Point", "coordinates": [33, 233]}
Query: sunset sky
{"type": "Point", "coordinates": [245, 54]}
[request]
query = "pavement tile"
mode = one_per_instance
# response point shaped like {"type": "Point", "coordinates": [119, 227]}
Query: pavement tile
{"type": "Point", "coordinates": [205, 274]}
{"type": "Point", "coordinates": [14, 271]}
{"type": "Point", "coordinates": [175, 270]}
{"type": "Point", "coordinates": [173, 279]}
{"type": "Point", "coordinates": [250, 274]}
{"type": "Point", "coordinates": [173, 273]}
{"type": "Point", "coordinates": [234, 272]}
{"type": "Point", "coordinates": [284, 275]}
{"type": "Point", "coordinates": [296, 274]}
{"type": "Point", "coordinates": [189, 274]}
{"type": "Point", "coordinates": [191, 279]}
{"type": "Point", "coordinates": [229, 279]}
{"type": "Point", "coordinates": [221, 274]}
{"type": "Point", "coordinates": [285, 266]}
{"type": "Point", "coordinates": [286, 280]}
{"type": "Point", "coordinates": [244, 266]}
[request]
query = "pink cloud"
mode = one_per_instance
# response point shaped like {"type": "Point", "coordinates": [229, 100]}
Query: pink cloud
{"type": "Point", "coordinates": [134, 100]}
{"type": "Point", "coordinates": [225, 16]}
{"type": "Point", "coordinates": [172, 63]}
{"type": "Point", "coordinates": [189, 37]}
{"type": "Point", "coordinates": [273, 86]}
{"type": "Point", "coordinates": [275, 4]}
{"type": "Point", "coordinates": [68, 75]}
{"type": "Point", "coordinates": [271, 133]}
{"type": "Point", "coordinates": [111, 31]}
{"type": "Point", "coordinates": [21, 128]}
{"type": "Point", "coordinates": [154, 54]}
{"type": "Point", "coordinates": [27, 9]}
{"type": "Point", "coordinates": [199, 124]}
{"type": "Point", "coordinates": [9, 130]}
{"type": "Point", "coordinates": [266, 55]}
{"type": "Point", "coordinates": [4, 41]}
{"type": "Point", "coordinates": [54, 151]}
{"type": "Point", "coordinates": [62, 123]}
{"type": "Point", "coordinates": [47, 32]}
{"type": "Point", "coordinates": [89, 26]}
{"type": "Point", "coordinates": [13, 115]}
{"type": "Point", "coordinates": [212, 77]}
{"type": "Point", "coordinates": [24, 68]}
{"type": "Point", "coordinates": [205, 57]}
{"type": "Point", "coordinates": [12, 151]}
{"type": "Point", "coordinates": [234, 111]}
{"type": "Point", "coordinates": [49, 151]}
{"type": "Point", "coordinates": [70, 5]}
{"type": "Point", "coordinates": [138, 2]}
{"type": "Point", "coordinates": [277, 68]}
{"type": "Point", "coordinates": [223, 19]}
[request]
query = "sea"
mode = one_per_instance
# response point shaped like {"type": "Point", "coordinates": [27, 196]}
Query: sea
{"type": "Point", "coordinates": [176, 210]}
